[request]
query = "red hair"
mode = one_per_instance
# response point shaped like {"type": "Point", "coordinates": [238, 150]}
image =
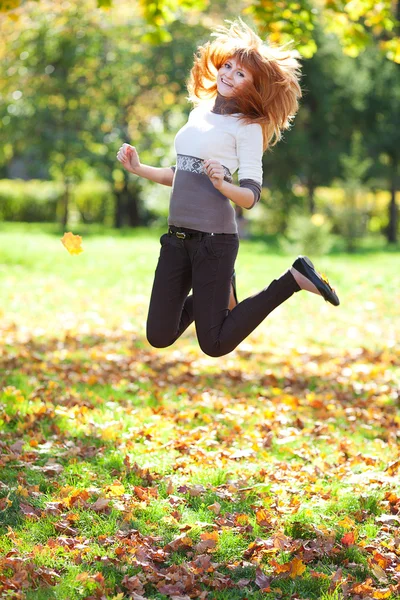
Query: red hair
{"type": "Point", "coordinates": [272, 98]}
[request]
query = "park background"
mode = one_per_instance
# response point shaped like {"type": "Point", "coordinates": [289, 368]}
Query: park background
{"type": "Point", "coordinates": [131, 472]}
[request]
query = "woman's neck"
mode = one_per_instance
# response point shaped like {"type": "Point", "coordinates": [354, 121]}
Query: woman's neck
{"type": "Point", "coordinates": [223, 105]}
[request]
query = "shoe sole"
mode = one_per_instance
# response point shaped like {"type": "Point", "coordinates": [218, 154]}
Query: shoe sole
{"type": "Point", "coordinates": [326, 291]}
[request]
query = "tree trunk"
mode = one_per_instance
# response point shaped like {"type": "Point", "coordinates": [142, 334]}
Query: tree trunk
{"type": "Point", "coordinates": [119, 209]}
{"type": "Point", "coordinates": [393, 213]}
{"type": "Point", "coordinates": [65, 204]}
{"type": "Point", "coordinates": [132, 206]}
{"type": "Point", "coordinates": [311, 198]}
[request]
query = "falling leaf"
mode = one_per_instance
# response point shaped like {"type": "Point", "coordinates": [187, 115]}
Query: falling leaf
{"type": "Point", "coordinates": [72, 243]}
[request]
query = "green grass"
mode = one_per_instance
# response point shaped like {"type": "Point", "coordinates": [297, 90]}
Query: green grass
{"type": "Point", "coordinates": [300, 421]}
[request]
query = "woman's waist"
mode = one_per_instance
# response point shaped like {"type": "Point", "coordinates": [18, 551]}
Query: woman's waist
{"type": "Point", "coordinates": [194, 164]}
{"type": "Point", "coordinates": [197, 233]}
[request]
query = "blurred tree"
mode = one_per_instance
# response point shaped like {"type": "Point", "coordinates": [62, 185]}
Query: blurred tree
{"type": "Point", "coordinates": [357, 24]}
{"type": "Point", "coordinates": [44, 112]}
{"type": "Point", "coordinates": [309, 154]}
{"type": "Point", "coordinates": [381, 119]}
{"type": "Point", "coordinates": [77, 84]}
{"type": "Point", "coordinates": [351, 218]}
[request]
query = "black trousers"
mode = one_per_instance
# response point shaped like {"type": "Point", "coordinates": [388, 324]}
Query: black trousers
{"type": "Point", "coordinates": [205, 263]}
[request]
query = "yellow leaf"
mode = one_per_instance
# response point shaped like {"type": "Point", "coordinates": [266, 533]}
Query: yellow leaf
{"type": "Point", "coordinates": [379, 573]}
{"type": "Point", "coordinates": [22, 491]}
{"type": "Point", "coordinates": [297, 567]}
{"type": "Point", "coordinates": [347, 523]}
{"type": "Point", "coordinates": [109, 433]}
{"type": "Point", "coordinates": [72, 243]}
{"type": "Point", "coordinates": [382, 594]}
{"type": "Point", "coordinates": [115, 490]}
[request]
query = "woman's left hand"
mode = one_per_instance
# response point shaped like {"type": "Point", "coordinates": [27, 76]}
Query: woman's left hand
{"type": "Point", "coordinates": [215, 171]}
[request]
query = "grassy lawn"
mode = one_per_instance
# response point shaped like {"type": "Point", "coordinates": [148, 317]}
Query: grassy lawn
{"type": "Point", "coordinates": [132, 472]}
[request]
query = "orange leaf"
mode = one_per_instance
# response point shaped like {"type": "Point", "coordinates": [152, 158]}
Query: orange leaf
{"type": "Point", "coordinates": [363, 588]}
{"type": "Point", "coordinates": [215, 508]}
{"type": "Point", "coordinates": [348, 538]}
{"type": "Point", "coordinates": [280, 568]}
{"type": "Point", "coordinates": [263, 518]}
{"type": "Point", "coordinates": [382, 561]}
{"type": "Point", "coordinates": [208, 542]}
{"type": "Point", "coordinates": [72, 243]}
{"type": "Point", "coordinates": [214, 536]}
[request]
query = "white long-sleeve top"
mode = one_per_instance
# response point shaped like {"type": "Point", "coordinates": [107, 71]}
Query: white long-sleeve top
{"type": "Point", "coordinates": [223, 137]}
{"type": "Point", "coordinates": [194, 202]}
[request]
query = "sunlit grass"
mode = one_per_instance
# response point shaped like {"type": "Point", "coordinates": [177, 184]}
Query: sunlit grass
{"type": "Point", "coordinates": [300, 420]}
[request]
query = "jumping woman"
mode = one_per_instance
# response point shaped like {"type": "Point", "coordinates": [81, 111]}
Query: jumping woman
{"type": "Point", "coordinates": [245, 94]}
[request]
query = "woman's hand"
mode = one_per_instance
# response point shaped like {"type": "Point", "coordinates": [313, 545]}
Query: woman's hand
{"type": "Point", "coordinates": [128, 157]}
{"type": "Point", "coordinates": [215, 171]}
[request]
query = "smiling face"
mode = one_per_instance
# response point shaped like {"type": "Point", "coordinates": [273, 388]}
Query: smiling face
{"type": "Point", "coordinates": [232, 77]}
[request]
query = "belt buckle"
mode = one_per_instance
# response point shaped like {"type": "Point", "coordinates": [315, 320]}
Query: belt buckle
{"type": "Point", "coordinates": [180, 234]}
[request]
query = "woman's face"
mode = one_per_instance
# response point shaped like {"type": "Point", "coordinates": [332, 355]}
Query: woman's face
{"type": "Point", "coordinates": [231, 78]}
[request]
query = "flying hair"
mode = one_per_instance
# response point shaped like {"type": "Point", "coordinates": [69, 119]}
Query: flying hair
{"type": "Point", "coordinates": [272, 99]}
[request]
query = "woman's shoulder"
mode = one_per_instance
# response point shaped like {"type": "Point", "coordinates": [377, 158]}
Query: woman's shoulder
{"type": "Point", "coordinates": [248, 129]}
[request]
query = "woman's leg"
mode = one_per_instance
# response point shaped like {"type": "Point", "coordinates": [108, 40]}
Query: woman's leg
{"type": "Point", "coordinates": [171, 310]}
{"type": "Point", "coordinates": [219, 330]}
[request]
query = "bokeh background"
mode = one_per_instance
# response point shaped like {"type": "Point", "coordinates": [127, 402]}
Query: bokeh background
{"type": "Point", "coordinates": [133, 472]}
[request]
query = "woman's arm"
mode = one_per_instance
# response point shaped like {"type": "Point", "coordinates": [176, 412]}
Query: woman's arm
{"type": "Point", "coordinates": [245, 195]}
{"type": "Point", "coordinates": [165, 176]}
{"type": "Point", "coordinates": [129, 158]}
{"type": "Point", "coordinates": [239, 195]}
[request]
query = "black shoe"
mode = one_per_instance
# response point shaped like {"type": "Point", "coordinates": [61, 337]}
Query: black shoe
{"type": "Point", "coordinates": [233, 280]}
{"type": "Point", "coordinates": [303, 265]}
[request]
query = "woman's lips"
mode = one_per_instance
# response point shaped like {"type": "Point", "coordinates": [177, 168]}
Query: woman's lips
{"type": "Point", "coordinates": [228, 84]}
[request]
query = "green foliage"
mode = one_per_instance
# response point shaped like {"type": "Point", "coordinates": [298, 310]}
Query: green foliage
{"type": "Point", "coordinates": [94, 201]}
{"type": "Point", "coordinates": [351, 217]}
{"type": "Point", "coordinates": [350, 223]}
{"type": "Point", "coordinates": [40, 201]}
{"type": "Point", "coordinates": [307, 235]}
{"type": "Point", "coordinates": [30, 201]}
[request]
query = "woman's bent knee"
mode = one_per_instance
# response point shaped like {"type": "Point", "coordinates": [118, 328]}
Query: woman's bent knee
{"type": "Point", "coordinates": [157, 339]}
{"type": "Point", "coordinates": [213, 350]}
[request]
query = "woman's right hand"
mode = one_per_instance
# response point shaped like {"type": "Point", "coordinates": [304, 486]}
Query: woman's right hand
{"type": "Point", "coordinates": [128, 157]}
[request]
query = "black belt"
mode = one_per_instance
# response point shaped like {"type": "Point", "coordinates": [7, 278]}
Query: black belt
{"type": "Point", "coordinates": [186, 234]}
